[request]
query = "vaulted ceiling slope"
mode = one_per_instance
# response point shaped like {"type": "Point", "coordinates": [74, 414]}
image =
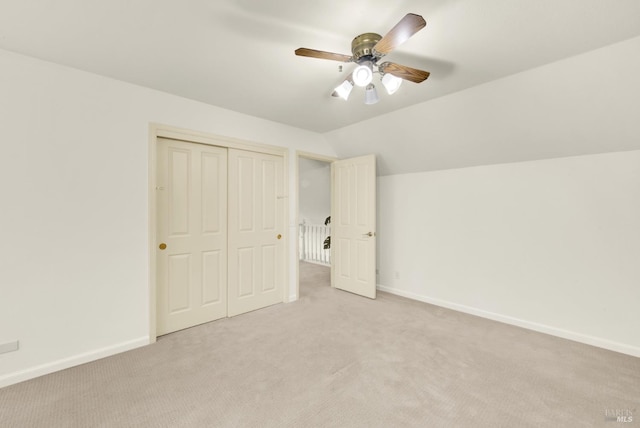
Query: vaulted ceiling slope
{"type": "Point", "coordinates": [586, 104]}
{"type": "Point", "coordinates": [510, 79]}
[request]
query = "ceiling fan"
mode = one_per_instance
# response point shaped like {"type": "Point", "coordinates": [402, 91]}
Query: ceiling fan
{"type": "Point", "coordinates": [367, 49]}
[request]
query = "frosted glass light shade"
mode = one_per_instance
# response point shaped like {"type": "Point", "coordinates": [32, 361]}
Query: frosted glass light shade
{"type": "Point", "coordinates": [344, 89]}
{"type": "Point", "coordinates": [370, 94]}
{"type": "Point", "coordinates": [362, 75]}
{"type": "Point", "coordinates": [391, 83]}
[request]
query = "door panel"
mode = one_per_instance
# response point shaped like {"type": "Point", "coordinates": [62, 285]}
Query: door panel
{"type": "Point", "coordinates": [244, 189]}
{"type": "Point", "coordinates": [256, 218]}
{"type": "Point", "coordinates": [211, 286]}
{"type": "Point", "coordinates": [245, 272]}
{"type": "Point", "coordinates": [353, 224]}
{"type": "Point", "coordinates": [213, 183]}
{"type": "Point", "coordinates": [179, 175]}
{"type": "Point", "coordinates": [192, 222]}
{"type": "Point", "coordinates": [178, 283]}
{"type": "Point", "coordinates": [269, 260]}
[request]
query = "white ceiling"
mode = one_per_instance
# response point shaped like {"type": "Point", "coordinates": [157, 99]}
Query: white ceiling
{"type": "Point", "coordinates": [239, 54]}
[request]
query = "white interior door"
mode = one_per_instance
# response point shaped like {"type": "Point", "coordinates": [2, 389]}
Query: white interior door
{"type": "Point", "coordinates": [256, 228]}
{"type": "Point", "coordinates": [191, 234]}
{"type": "Point", "coordinates": [353, 225]}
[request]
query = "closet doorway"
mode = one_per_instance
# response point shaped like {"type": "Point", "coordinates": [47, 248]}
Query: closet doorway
{"type": "Point", "coordinates": [218, 223]}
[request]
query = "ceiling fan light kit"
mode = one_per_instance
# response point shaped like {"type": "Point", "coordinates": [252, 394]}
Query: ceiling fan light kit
{"type": "Point", "coordinates": [371, 94]}
{"type": "Point", "coordinates": [363, 74]}
{"type": "Point", "coordinates": [344, 89]}
{"type": "Point", "coordinates": [391, 83]}
{"type": "Point", "coordinates": [367, 49]}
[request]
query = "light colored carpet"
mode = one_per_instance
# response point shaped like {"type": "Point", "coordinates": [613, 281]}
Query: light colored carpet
{"type": "Point", "coordinates": [333, 359]}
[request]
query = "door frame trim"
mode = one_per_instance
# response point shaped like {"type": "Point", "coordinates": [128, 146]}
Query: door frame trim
{"type": "Point", "coordinates": [296, 177]}
{"type": "Point", "coordinates": [157, 130]}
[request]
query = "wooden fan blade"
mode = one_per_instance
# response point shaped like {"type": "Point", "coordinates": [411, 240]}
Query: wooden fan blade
{"type": "Point", "coordinates": [322, 55]}
{"type": "Point", "coordinates": [407, 27]}
{"type": "Point", "coordinates": [404, 72]}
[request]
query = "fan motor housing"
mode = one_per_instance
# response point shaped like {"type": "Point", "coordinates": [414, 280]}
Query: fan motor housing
{"type": "Point", "coordinates": [362, 46]}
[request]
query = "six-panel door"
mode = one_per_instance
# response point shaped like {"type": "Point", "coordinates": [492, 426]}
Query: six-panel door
{"type": "Point", "coordinates": [256, 225]}
{"type": "Point", "coordinates": [192, 225]}
{"type": "Point", "coordinates": [353, 225]}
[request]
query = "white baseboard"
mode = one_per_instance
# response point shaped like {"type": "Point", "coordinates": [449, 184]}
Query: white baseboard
{"type": "Point", "coordinates": [65, 363]}
{"type": "Point", "coordinates": [553, 331]}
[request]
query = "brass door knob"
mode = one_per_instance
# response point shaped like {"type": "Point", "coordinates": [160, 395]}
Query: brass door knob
{"type": "Point", "coordinates": [279, 236]}
{"type": "Point", "coordinates": [162, 246]}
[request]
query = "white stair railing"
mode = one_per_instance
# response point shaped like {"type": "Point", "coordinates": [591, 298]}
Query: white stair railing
{"type": "Point", "coordinates": [312, 238]}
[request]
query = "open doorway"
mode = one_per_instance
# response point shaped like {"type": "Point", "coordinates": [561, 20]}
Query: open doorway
{"type": "Point", "coordinates": [314, 221]}
{"type": "Point", "coordinates": [352, 242]}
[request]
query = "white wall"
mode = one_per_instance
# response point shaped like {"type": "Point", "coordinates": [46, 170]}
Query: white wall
{"type": "Point", "coordinates": [552, 245]}
{"type": "Point", "coordinates": [74, 216]}
{"type": "Point", "coordinates": [314, 184]}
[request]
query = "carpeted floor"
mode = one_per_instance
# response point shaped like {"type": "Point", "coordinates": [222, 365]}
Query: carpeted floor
{"type": "Point", "coordinates": [333, 359]}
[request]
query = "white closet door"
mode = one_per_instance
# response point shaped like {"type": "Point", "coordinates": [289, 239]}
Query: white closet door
{"type": "Point", "coordinates": [191, 235]}
{"type": "Point", "coordinates": [256, 229]}
{"type": "Point", "coordinates": [353, 225]}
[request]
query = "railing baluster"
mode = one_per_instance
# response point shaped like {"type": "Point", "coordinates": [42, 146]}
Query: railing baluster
{"type": "Point", "coordinates": [312, 238]}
